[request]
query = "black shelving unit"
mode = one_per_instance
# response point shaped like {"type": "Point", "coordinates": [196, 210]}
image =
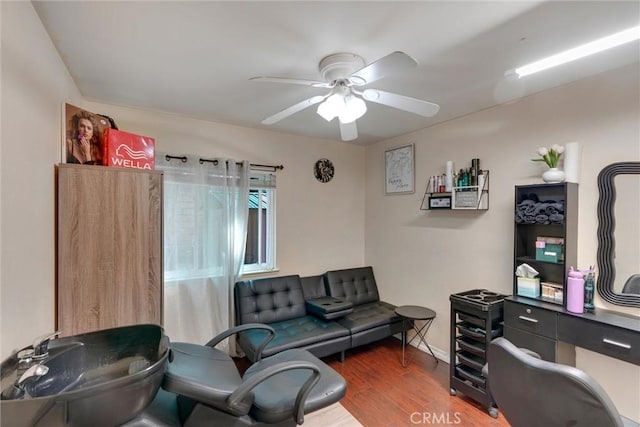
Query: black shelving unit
{"type": "Point", "coordinates": [527, 232]}
{"type": "Point", "coordinates": [476, 319]}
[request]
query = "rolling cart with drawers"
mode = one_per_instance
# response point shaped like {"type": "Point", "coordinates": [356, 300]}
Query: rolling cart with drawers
{"type": "Point", "coordinates": [476, 319]}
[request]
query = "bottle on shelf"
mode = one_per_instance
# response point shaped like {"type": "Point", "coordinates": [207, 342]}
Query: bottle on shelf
{"type": "Point", "coordinates": [589, 285]}
{"type": "Point", "coordinates": [449, 176]}
{"type": "Point", "coordinates": [475, 169]}
{"type": "Point", "coordinates": [481, 178]}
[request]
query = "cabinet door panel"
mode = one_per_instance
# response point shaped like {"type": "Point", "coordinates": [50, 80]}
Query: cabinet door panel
{"type": "Point", "coordinates": [109, 248]}
{"type": "Point", "coordinates": [545, 347]}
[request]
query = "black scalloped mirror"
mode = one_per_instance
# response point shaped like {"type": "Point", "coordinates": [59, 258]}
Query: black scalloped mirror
{"type": "Point", "coordinates": [625, 289]}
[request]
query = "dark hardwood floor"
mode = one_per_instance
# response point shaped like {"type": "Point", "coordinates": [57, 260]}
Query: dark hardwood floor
{"type": "Point", "coordinates": [380, 392]}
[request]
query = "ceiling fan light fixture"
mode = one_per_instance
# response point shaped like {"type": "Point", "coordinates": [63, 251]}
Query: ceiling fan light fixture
{"type": "Point", "coordinates": [332, 107]}
{"type": "Point", "coordinates": [342, 73]}
{"type": "Point", "coordinates": [326, 112]}
{"type": "Point", "coordinates": [354, 109]}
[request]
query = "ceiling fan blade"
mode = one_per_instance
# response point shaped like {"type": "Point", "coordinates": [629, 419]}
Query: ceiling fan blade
{"type": "Point", "coordinates": [303, 82]}
{"type": "Point", "coordinates": [401, 102]}
{"type": "Point", "coordinates": [393, 63]}
{"type": "Point", "coordinates": [294, 109]}
{"type": "Point", "coordinates": [348, 131]}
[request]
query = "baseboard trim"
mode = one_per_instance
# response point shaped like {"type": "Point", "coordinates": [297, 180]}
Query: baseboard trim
{"type": "Point", "coordinates": [439, 353]}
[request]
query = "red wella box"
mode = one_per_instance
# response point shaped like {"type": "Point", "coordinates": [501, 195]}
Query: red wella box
{"type": "Point", "coordinates": [128, 150]}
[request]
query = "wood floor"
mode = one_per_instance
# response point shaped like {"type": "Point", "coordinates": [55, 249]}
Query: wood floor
{"type": "Point", "coordinates": [381, 393]}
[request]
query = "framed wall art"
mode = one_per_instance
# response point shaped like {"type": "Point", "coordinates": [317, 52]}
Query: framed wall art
{"type": "Point", "coordinates": [82, 141]}
{"type": "Point", "coordinates": [399, 170]}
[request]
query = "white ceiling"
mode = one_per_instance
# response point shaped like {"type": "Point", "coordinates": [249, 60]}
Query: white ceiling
{"type": "Point", "coordinates": [195, 58]}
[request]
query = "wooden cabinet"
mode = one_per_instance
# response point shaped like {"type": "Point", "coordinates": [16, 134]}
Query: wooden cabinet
{"type": "Point", "coordinates": [549, 212]}
{"type": "Point", "coordinates": [109, 247]}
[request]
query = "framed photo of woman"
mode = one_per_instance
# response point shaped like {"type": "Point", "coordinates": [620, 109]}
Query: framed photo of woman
{"type": "Point", "coordinates": [82, 141]}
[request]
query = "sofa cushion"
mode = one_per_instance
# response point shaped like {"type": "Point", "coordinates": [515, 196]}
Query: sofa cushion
{"type": "Point", "coordinates": [357, 285]}
{"type": "Point", "coordinates": [367, 316]}
{"type": "Point", "coordinates": [269, 300]}
{"type": "Point", "coordinates": [299, 332]}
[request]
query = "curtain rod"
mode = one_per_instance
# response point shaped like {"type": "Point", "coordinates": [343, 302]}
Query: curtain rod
{"type": "Point", "coordinates": [215, 162]}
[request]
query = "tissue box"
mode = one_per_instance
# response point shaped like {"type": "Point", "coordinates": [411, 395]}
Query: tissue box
{"type": "Point", "coordinates": [549, 249]}
{"type": "Point", "coordinates": [528, 287]}
{"type": "Point", "coordinates": [128, 150]}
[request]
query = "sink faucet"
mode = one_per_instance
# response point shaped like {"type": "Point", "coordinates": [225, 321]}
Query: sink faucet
{"type": "Point", "coordinates": [41, 345]}
{"type": "Point", "coordinates": [33, 373]}
{"type": "Point", "coordinates": [18, 390]}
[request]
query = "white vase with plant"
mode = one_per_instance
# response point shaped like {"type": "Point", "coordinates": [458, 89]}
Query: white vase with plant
{"type": "Point", "coordinates": [551, 156]}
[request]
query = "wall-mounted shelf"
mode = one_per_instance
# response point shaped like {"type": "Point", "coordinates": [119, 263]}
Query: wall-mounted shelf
{"type": "Point", "coordinates": [470, 197]}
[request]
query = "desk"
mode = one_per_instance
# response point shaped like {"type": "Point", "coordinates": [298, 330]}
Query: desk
{"type": "Point", "coordinates": [540, 326]}
{"type": "Point", "coordinates": [409, 314]}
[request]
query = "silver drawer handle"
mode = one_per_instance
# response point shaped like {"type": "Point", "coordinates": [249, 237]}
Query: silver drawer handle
{"type": "Point", "coordinates": [528, 319]}
{"type": "Point", "coordinates": [616, 343]}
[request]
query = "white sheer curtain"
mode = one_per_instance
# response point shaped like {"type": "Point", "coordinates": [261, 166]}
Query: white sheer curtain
{"type": "Point", "coordinates": [205, 227]}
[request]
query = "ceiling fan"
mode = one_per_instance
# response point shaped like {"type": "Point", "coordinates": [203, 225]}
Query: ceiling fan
{"type": "Point", "coordinates": [343, 73]}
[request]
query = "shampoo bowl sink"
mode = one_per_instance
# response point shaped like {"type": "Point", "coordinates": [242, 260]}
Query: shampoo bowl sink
{"type": "Point", "coordinates": [101, 378]}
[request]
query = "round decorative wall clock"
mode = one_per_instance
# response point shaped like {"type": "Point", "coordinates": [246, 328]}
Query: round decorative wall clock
{"type": "Point", "coordinates": [323, 170]}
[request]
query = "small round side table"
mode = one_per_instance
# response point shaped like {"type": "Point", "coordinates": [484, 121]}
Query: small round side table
{"type": "Point", "coordinates": [409, 314]}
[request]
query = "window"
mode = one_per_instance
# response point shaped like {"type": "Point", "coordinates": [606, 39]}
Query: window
{"type": "Point", "coordinates": [193, 220]}
{"type": "Point", "coordinates": [260, 252]}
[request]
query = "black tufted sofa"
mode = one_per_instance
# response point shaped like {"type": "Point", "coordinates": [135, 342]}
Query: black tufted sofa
{"type": "Point", "coordinates": [284, 304]}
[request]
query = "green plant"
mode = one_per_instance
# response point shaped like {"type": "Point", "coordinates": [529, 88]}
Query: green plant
{"type": "Point", "coordinates": [551, 155]}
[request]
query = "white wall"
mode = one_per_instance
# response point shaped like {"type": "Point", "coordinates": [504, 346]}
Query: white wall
{"type": "Point", "coordinates": [34, 84]}
{"type": "Point", "coordinates": [319, 226]}
{"type": "Point", "coordinates": [421, 257]}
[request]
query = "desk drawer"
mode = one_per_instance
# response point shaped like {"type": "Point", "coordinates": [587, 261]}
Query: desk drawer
{"type": "Point", "coordinates": [601, 338]}
{"type": "Point", "coordinates": [545, 347]}
{"type": "Point", "coordinates": [530, 319]}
